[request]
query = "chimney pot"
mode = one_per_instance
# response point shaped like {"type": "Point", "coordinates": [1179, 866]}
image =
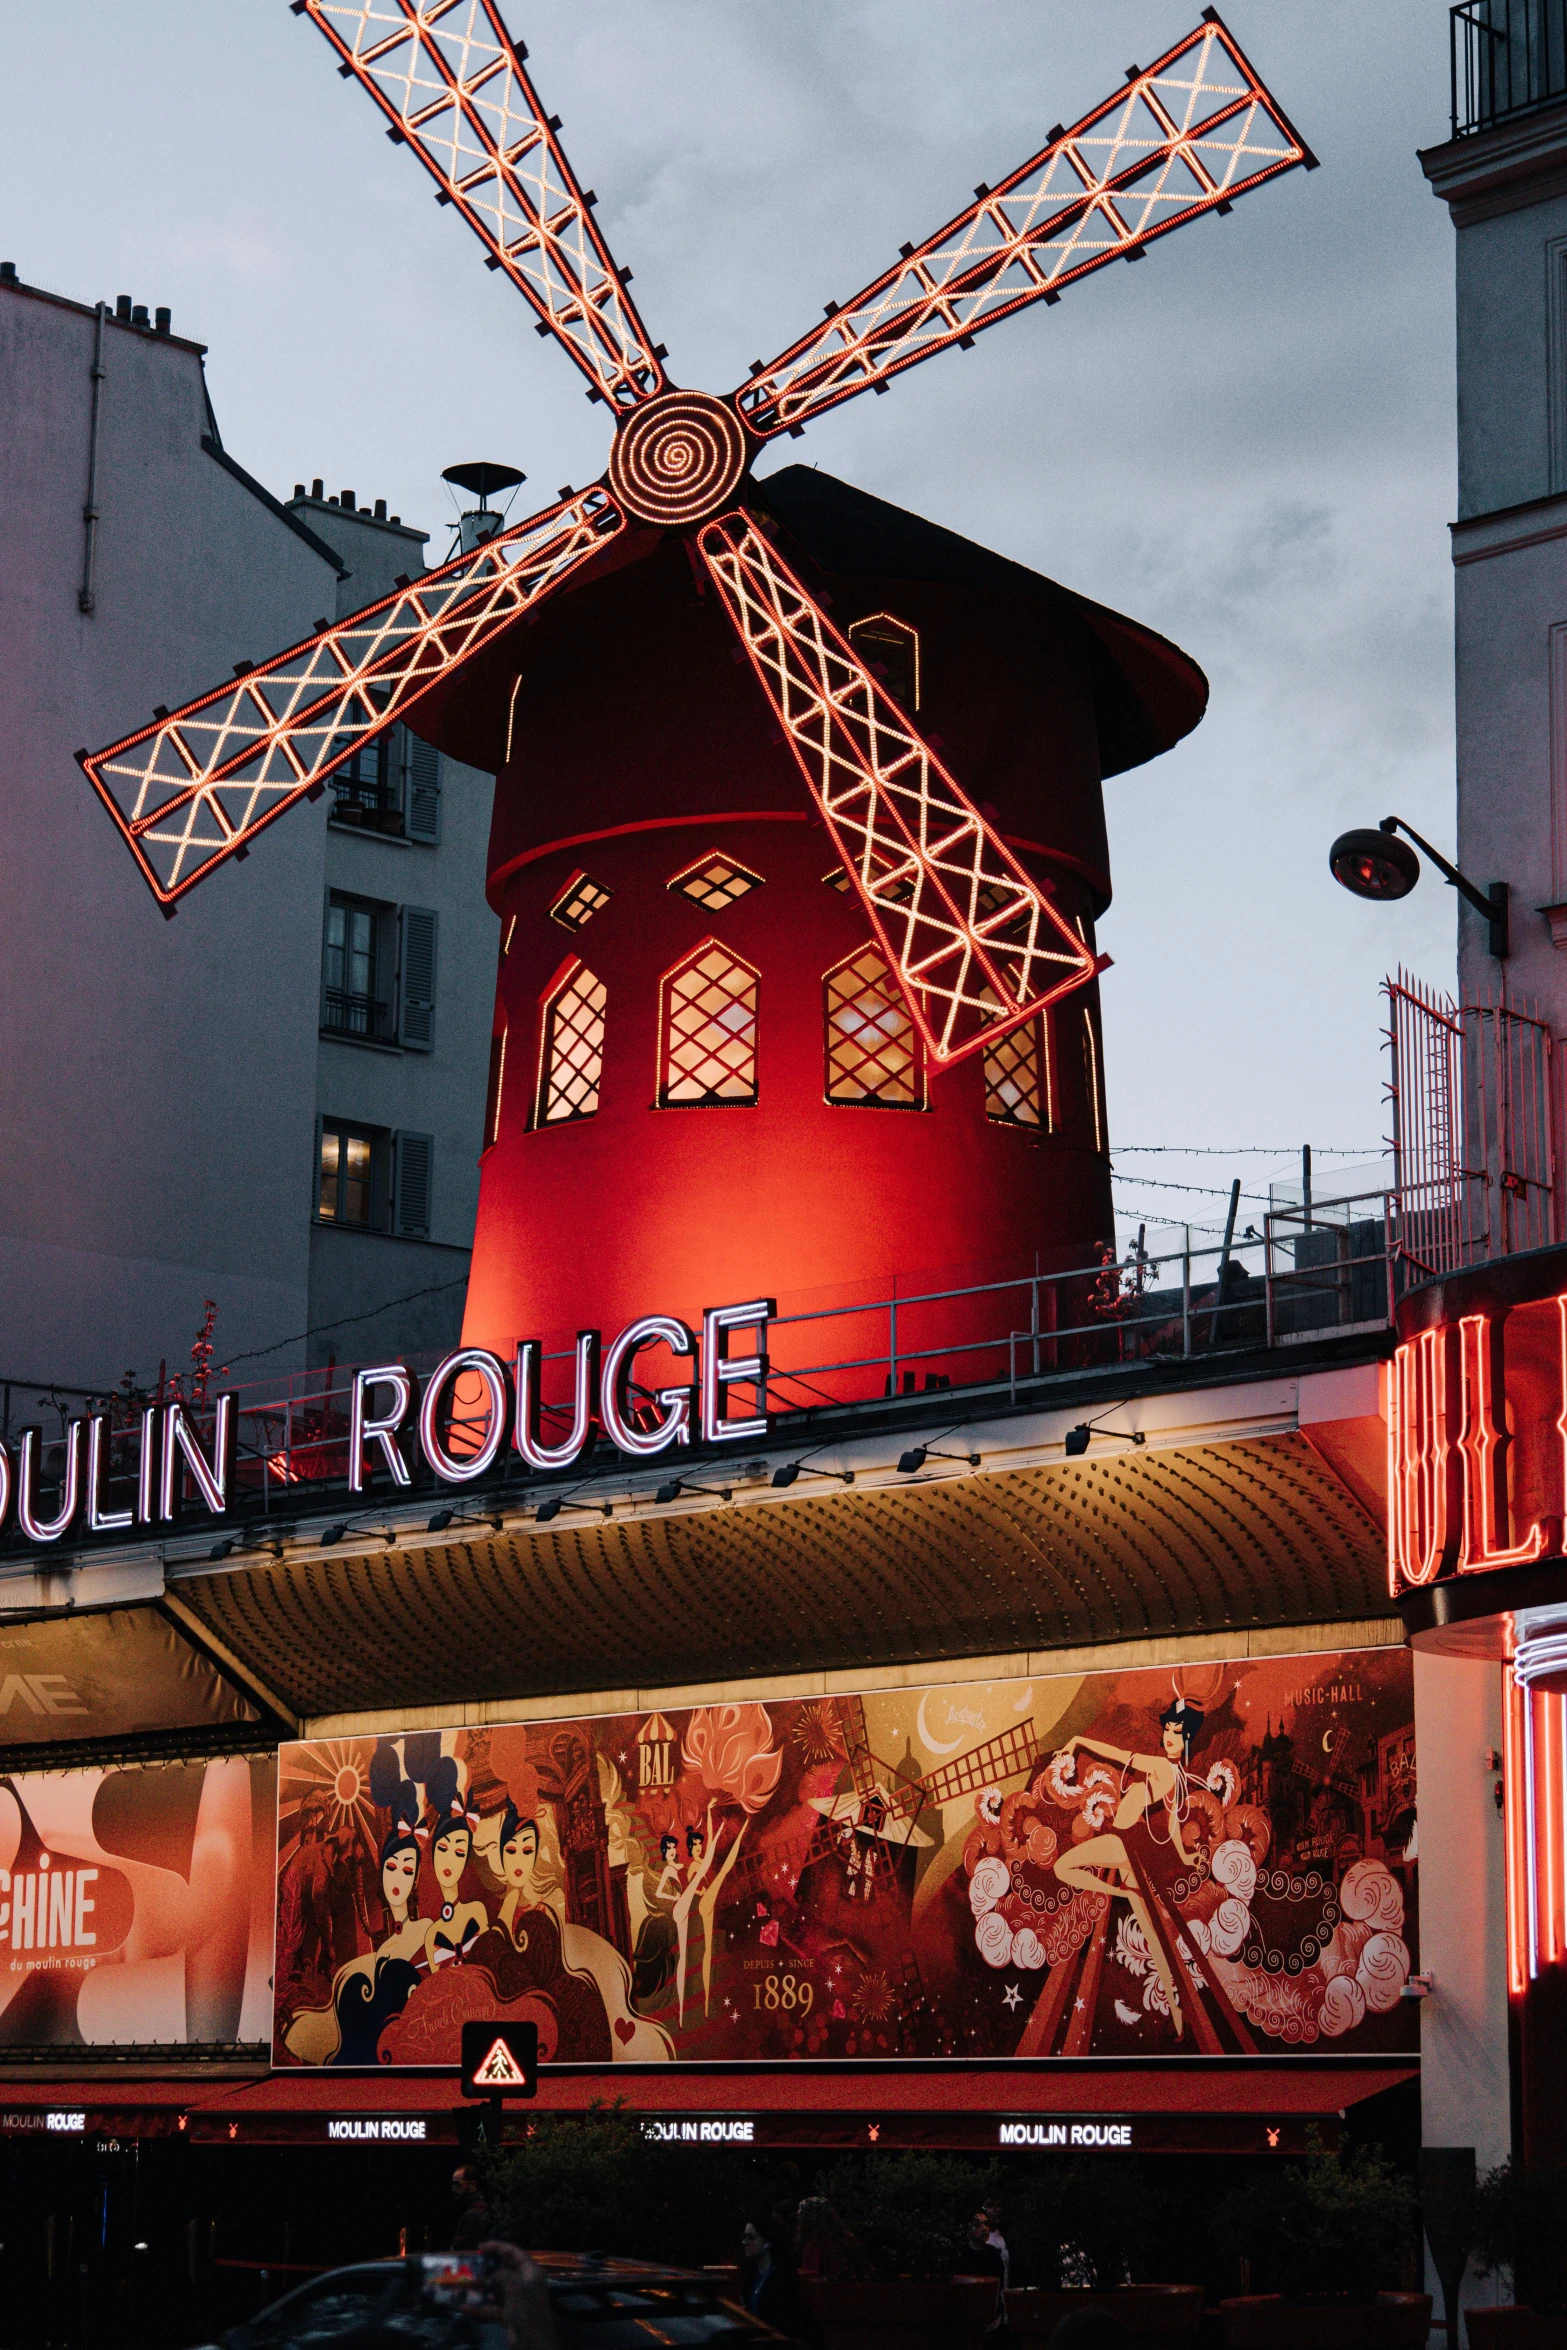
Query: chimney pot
{"type": "Point", "coordinates": [163, 318]}
{"type": "Point", "coordinates": [7, 273]}
{"type": "Point", "coordinates": [299, 489]}
{"type": "Point", "coordinates": [316, 489]}
{"type": "Point", "coordinates": [345, 499]}
{"type": "Point", "coordinates": [380, 509]}
{"type": "Point", "coordinates": [139, 316]}
{"type": "Point", "coordinates": [122, 308]}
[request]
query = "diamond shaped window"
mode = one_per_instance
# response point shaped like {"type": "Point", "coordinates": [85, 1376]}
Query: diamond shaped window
{"type": "Point", "coordinates": [715, 883]}
{"type": "Point", "coordinates": [709, 1031]}
{"type": "Point", "coordinates": [1016, 1078]}
{"type": "Point", "coordinates": [572, 1061]}
{"type": "Point", "coordinates": [579, 901]}
{"type": "Point", "coordinates": [872, 1055]}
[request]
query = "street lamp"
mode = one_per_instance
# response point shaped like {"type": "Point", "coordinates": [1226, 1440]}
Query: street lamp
{"type": "Point", "coordinates": [1377, 864]}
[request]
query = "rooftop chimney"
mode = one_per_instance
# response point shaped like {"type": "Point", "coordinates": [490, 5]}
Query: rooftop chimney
{"type": "Point", "coordinates": [317, 490]}
{"type": "Point", "coordinates": [163, 319]}
{"type": "Point", "coordinates": [122, 308]}
{"type": "Point", "coordinates": [345, 499]}
{"type": "Point", "coordinates": [380, 509]}
{"type": "Point", "coordinates": [7, 273]}
{"type": "Point", "coordinates": [139, 315]}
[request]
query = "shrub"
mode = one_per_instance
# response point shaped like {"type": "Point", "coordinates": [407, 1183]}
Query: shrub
{"type": "Point", "coordinates": [1518, 2227]}
{"type": "Point", "coordinates": [909, 2213]}
{"type": "Point", "coordinates": [595, 2184]}
{"type": "Point", "coordinates": [1079, 2223]}
{"type": "Point", "coordinates": [1330, 2226]}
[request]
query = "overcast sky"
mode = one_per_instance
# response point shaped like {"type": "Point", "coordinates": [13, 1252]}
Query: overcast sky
{"type": "Point", "coordinates": [1248, 442]}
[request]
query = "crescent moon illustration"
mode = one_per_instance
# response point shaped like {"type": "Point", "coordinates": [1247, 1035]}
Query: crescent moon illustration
{"type": "Point", "coordinates": [1327, 1742]}
{"type": "Point", "coordinates": [926, 1739]}
{"type": "Point", "coordinates": [1025, 1701]}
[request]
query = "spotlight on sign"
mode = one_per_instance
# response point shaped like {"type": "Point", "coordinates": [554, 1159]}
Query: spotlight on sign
{"type": "Point", "coordinates": [546, 1511]}
{"type": "Point", "coordinates": [669, 1490]}
{"type": "Point", "coordinates": [911, 1462]}
{"type": "Point", "coordinates": [439, 1523]}
{"type": "Point", "coordinates": [786, 1475]}
{"type": "Point", "coordinates": [1077, 1440]}
{"type": "Point", "coordinates": [331, 1534]}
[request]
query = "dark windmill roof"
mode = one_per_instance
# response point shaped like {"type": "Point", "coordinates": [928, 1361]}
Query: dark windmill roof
{"type": "Point", "coordinates": [1147, 692]}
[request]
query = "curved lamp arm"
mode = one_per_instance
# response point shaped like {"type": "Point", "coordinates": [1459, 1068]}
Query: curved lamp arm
{"type": "Point", "coordinates": [1492, 903]}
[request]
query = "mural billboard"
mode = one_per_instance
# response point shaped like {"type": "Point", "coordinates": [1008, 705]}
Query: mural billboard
{"type": "Point", "coordinates": [136, 1904]}
{"type": "Point", "coordinates": [1215, 1860]}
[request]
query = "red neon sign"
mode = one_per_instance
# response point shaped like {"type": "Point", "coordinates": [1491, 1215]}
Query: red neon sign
{"type": "Point", "coordinates": [1449, 1441]}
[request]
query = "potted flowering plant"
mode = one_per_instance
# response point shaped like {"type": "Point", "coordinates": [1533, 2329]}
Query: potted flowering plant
{"type": "Point", "coordinates": [1328, 2236]}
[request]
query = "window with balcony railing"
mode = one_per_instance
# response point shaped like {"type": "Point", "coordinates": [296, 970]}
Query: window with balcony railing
{"type": "Point", "coordinates": [1507, 58]}
{"type": "Point", "coordinates": [358, 971]}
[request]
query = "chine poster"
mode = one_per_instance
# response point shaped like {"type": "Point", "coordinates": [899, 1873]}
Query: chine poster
{"type": "Point", "coordinates": [136, 1904]}
{"type": "Point", "coordinates": [1215, 1860]}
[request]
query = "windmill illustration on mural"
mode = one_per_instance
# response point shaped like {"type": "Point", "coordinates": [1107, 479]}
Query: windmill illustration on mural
{"type": "Point", "coordinates": [972, 942]}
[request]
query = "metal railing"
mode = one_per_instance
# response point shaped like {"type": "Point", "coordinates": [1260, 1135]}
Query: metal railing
{"type": "Point", "coordinates": [1506, 58]}
{"type": "Point", "coordinates": [1316, 1269]}
{"type": "Point", "coordinates": [366, 1016]}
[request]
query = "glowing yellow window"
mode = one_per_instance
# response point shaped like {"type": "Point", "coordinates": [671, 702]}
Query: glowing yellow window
{"type": "Point", "coordinates": [872, 1054]}
{"type": "Point", "coordinates": [709, 1031]}
{"type": "Point", "coordinates": [572, 1061]}
{"type": "Point", "coordinates": [715, 883]}
{"type": "Point", "coordinates": [1016, 1085]}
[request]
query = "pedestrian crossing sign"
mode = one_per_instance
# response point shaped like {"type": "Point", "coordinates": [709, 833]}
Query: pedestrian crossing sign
{"type": "Point", "coordinates": [500, 2060]}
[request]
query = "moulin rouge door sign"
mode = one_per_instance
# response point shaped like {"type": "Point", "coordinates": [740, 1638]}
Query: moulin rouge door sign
{"type": "Point", "coordinates": [1477, 1445]}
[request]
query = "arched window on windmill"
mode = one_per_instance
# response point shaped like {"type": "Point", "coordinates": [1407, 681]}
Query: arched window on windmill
{"type": "Point", "coordinates": [707, 1031]}
{"type": "Point", "coordinates": [571, 1046]}
{"type": "Point", "coordinates": [655, 1754]}
{"type": "Point", "coordinates": [890, 649]}
{"type": "Point", "coordinates": [873, 1053]}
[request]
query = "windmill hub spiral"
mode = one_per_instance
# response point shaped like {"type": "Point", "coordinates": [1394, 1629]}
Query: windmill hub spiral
{"type": "Point", "coordinates": [677, 459]}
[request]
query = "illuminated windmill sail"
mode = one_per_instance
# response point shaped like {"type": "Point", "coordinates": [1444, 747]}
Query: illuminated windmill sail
{"type": "Point", "coordinates": [974, 943]}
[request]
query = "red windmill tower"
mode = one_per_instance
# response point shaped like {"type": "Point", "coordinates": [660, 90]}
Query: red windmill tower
{"type": "Point", "coordinates": [742, 928]}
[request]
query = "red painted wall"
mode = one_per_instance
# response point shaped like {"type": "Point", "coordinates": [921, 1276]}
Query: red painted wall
{"type": "Point", "coordinates": [640, 741]}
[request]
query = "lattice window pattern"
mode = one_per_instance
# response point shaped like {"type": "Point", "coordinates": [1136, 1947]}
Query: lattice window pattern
{"type": "Point", "coordinates": [715, 883]}
{"type": "Point", "coordinates": [900, 894]}
{"type": "Point", "coordinates": [872, 1053]}
{"type": "Point", "coordinates": [1015, 1085]}
{"type": "Point", "coordinates": [709, 1024]}
{"type": "Point", "coordinates": [578, 902]}
{"type": "Point", "coordinates": [573, 1056]}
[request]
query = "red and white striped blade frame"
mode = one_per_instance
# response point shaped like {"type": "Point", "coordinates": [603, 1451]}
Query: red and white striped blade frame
{"type": "Point", "coordinates": [976, 946]}
{"type": "Point", "coordinates": [451, 83]}
{"type": "Point", "coordinates": [1187, 136]}
{"type": "Point", "coordinates": [198, 784]}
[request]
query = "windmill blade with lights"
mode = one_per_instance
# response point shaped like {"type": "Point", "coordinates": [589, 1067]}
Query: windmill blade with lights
{"type": "Point", "coordinates": [974, 944]}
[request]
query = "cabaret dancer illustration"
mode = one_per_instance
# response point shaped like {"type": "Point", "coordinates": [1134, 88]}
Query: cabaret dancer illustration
{"type": "Point", "coordinates": [459, 1923]}
{"type": "Point", "coordinates": [1143, 1851]}
{"type": "Point", "coordinates": [369, 1990]}
{"type": "Point", "coordinates": [653, 1961]}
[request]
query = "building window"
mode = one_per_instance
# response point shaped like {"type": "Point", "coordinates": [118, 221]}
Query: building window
{"type": "Point", "coordinates": [358, 968]}
{"type": "Point", "coordinates": [571, 1064]}
{"type": "Point", "coordinates": [715, 883]}
{"type": "Point", "coordinates": [391, 784]}
{"type": "Point", "coordinates": [900, 894]}
{"type": "Point", "coordinates": [873, 1057]}
{"type": "Point", "coordinates": [1016, 1074]}
{"type": "Point", "coordinates": [578, 902]}
{"type": "Point", "coordinates": [709, 1031]}
{"type": "Point", "coordinates": [351, 1178]}
{"type": "Point", "coordinates": [890, 650]}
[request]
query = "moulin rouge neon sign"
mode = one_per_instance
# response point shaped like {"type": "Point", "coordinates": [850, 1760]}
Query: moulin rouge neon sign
{"type": "Point", "coordinates": [1477, 1445]}
{"type": "Point", "coordinates": [472, 1404]}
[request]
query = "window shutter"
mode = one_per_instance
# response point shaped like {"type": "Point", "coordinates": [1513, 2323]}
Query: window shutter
{"type": "Point", "coordinates": [424, 791]}
{"type": "Point", "coordinates": [417, 1026]}
{"type": "Point", "coordinates": [415, 1161]}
